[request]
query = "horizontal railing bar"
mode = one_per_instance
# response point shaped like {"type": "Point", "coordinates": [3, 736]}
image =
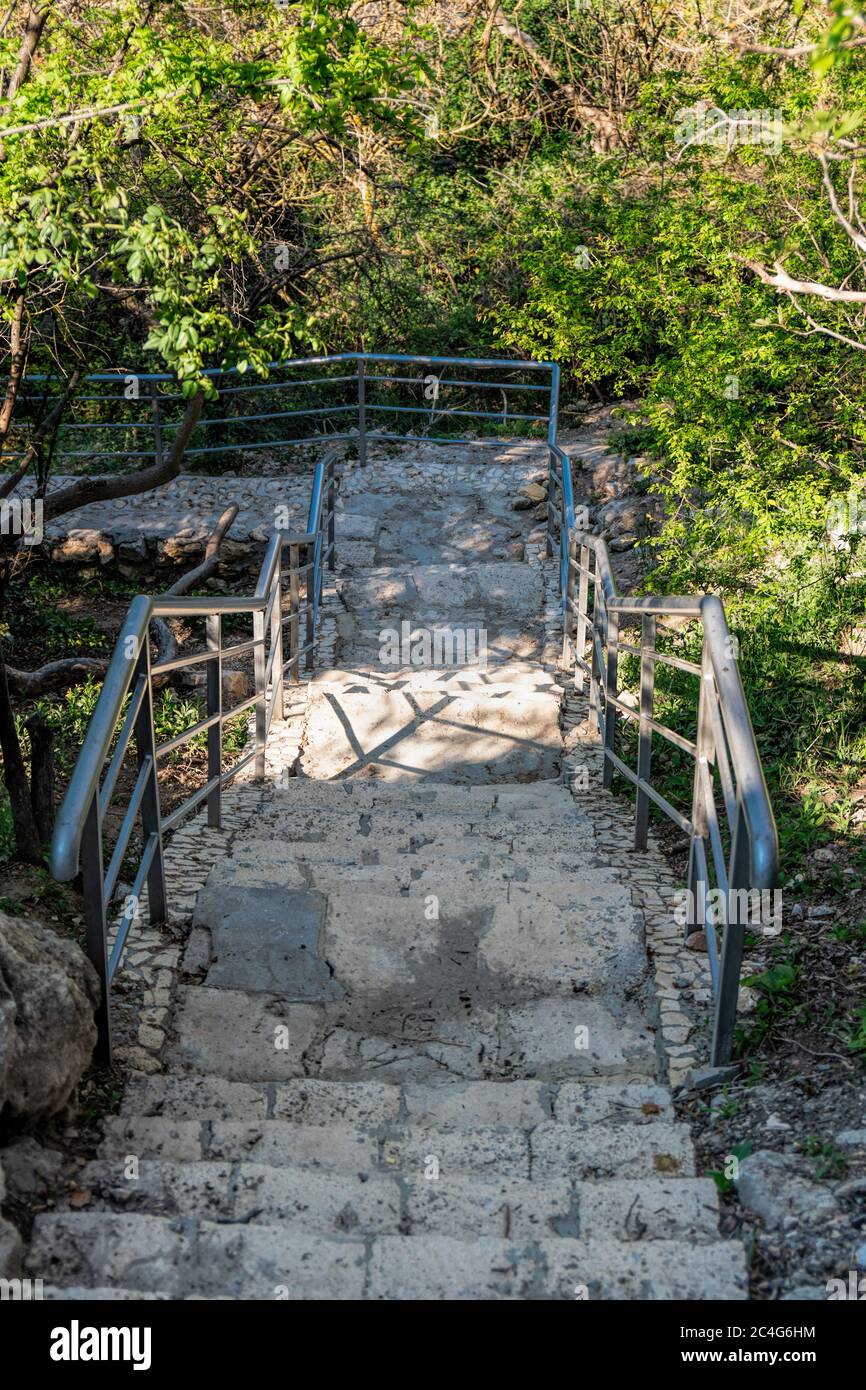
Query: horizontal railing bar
{"type": "Point", "coordinates": [106, 791]}
{"type": "Point", "coordinates": [125, 831]}
{"type": "Point", "coordinates": [679, 663]}
{"type": "Point", "coordinates": [190, 804]}
{"type": "Point", "coordinates": [238, 709]}
{"type": "Point", "coordinates": [199, 728]}
{"type": "Point", "coordinates": [132, 909]}
{"type": "Point", "coordinates": [630, 712]}
{"type": "Point", "coordinates": [482, 385]}
{"type": "Point", "coordinates": [231, 773]}
{"type": "Point", "coordinates": [455, 439]}
{"type": "Point", "coordinates": [184, 606]}
{"type": "Point", "coordinates": [502, 415]}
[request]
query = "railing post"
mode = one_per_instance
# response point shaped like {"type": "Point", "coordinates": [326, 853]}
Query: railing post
{"type": "Point", "coordinates": [311, 600]}
{"type": "Point", "coordinates": [157, 424]}
{"type": "Point", "coordinates": [277, 669]}
{"type": "Point", "coordinates": [739, 875]}
{"type": "Point", "coordinates": [362, 412]}
{"type": "Point", "coordinates": [95, 927]}
{"type": "Point", "coordinates": [703, 753]}
{"type": "Point", "coordinates": [645, 736]}
{"type": "Point", "coordinates": [610, 691]}
{"type": "Point", "coordinates": [151, 819]}
{"type": "Point", "coordinates": [213, 627]}
{"type": "Point", "coordinates": [332, 498]}
{"type": "Point", "coordinates": [582, 618]}
{"type": "Point", "coordinates": [261, 693]}
{"type": "Point", "coordinates": [568, 605]}
{"type": "Point", "coordinates": [294, 606]}
{"type": "Point", "coordinates": [551, 505]}
{"type": "Point", "coordinates": [594, 667]}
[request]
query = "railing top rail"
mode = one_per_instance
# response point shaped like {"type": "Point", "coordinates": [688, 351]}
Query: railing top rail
{"type": "Point", "coordinates": [69, 824]}
{"type": "Point", "coordinates": [503, 363]}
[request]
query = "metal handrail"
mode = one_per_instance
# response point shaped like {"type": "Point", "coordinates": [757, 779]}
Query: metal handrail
{"type": "Point", "coordinates": [725, 741]}
{"type": "Point", "coordinates": [360, 404]}
{"type": "Point", "coordinates": [77, 841]}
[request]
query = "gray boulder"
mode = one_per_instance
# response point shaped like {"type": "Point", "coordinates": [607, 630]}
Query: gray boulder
{"type": "Point", "coordinates": [48, 994]}
{"type": "Point", "coordinates": [11, 1248]}
{"type": "Point", "coordinates": [774, 1187]}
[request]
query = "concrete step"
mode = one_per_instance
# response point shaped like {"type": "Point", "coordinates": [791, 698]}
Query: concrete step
{"type": "Point", "coordinates": [367, 793]}
{"type": "Point", "coordinates": [550, 1151]}
{"type": "Point", "coordinates": [209, 1259]}
{"type": "Point", "coordinates": [462, 1205]}
{"type": "Point", "coordinates": [455, 1104]}
{"type": "Point", "coordinates": [347, 818]}
{"type": "Point", "coordinates": [475, 886]}
{"type": "Point", "coordinates": [406, 1036]}
{"type": "Point", "coordinates": [278, 831]}
{"type": "Point", "coordinates": [494, 859]}
{"type": "Point", "coordinates": [373, 943]}
{"type": "Point", "coordinates": [446, 738]}
{"type": "Point", "coordinates": [306, 946]}
{"type": "Point", "coordinates": [513, 588]}
{"type": "Point", "coordinates": [491, 678]}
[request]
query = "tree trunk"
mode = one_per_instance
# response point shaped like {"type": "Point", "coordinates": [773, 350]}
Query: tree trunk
{"type": "Point", "coordinates": [27, 843]}
{"type": "Point", "coordinates": [41, 775]}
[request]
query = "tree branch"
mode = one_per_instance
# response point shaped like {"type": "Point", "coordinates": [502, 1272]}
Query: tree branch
{"type": "Point", "coordinates": [86, 491]}
{"type": "Point", "coordinates": [166, 641]}
{"type": "Point", "coordinates": [44, 428]}
{"type": "Point", "coordinates": [786, 284]}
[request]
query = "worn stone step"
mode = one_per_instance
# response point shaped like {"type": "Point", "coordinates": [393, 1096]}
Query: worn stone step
{"type": "Point", "coordinates": [474, 885]}
{"type": "Point", "coordinates": [277, 834]}
{"type": "Point", "coordinates": [492, 858]}
{"type": "Point", "coordinates": [345, 818]}
{"type": "Point", "coordinates": [246, 1036]}
{"type": "Point", "coordinates": [662, 1149]}
{"type": "Point", "coordinates": [447, 738]}
{"type": "Point", "coordinates": [373, 943]}
{"type": "Point", "coordinates": [208, 1259]}
{"type": "Point", "coordinates": [272, 938]}
{"type": "Point", "coordinates": [493, 678]}
{"type": "Point", "coordinates": [449, 1104]}
{"type": "Point", "coordinates": [308, 791]}
{"type": "Point", "coordinates": [382, 1204]}
{"type": "Point", "coordinates": [507, 587]}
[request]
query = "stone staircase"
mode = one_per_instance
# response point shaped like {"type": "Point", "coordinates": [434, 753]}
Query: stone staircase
{"type": "Point", "coordinates": [413, 1051]}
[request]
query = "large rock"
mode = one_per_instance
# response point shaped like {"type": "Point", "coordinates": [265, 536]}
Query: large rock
{"type": "Point", "coordinates": [48, 993]}
{"type": "Point", "coordinates": [774, 1187]}
{"type": "Point", "coordinates": [11, 1248]}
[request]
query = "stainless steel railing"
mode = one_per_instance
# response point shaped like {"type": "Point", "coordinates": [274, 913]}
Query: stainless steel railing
{"type": "Point", "coordinates": [124, 716]}
{"type": "Point", "coordinates": [343, 397]}
{"type": "Point", "coordinates": [733, 846]}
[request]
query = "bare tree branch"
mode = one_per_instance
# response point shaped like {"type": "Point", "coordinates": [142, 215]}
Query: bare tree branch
{"type": "Point", "coordinates": [165, 639]}
{"type": "Point", "coordinates": [86, 491]}
{"type": "Point", "coordinates": [786, 284]}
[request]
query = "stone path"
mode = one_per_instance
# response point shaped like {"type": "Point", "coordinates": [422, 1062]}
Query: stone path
{"type": "Point", "coordinates": [412, 1050]}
